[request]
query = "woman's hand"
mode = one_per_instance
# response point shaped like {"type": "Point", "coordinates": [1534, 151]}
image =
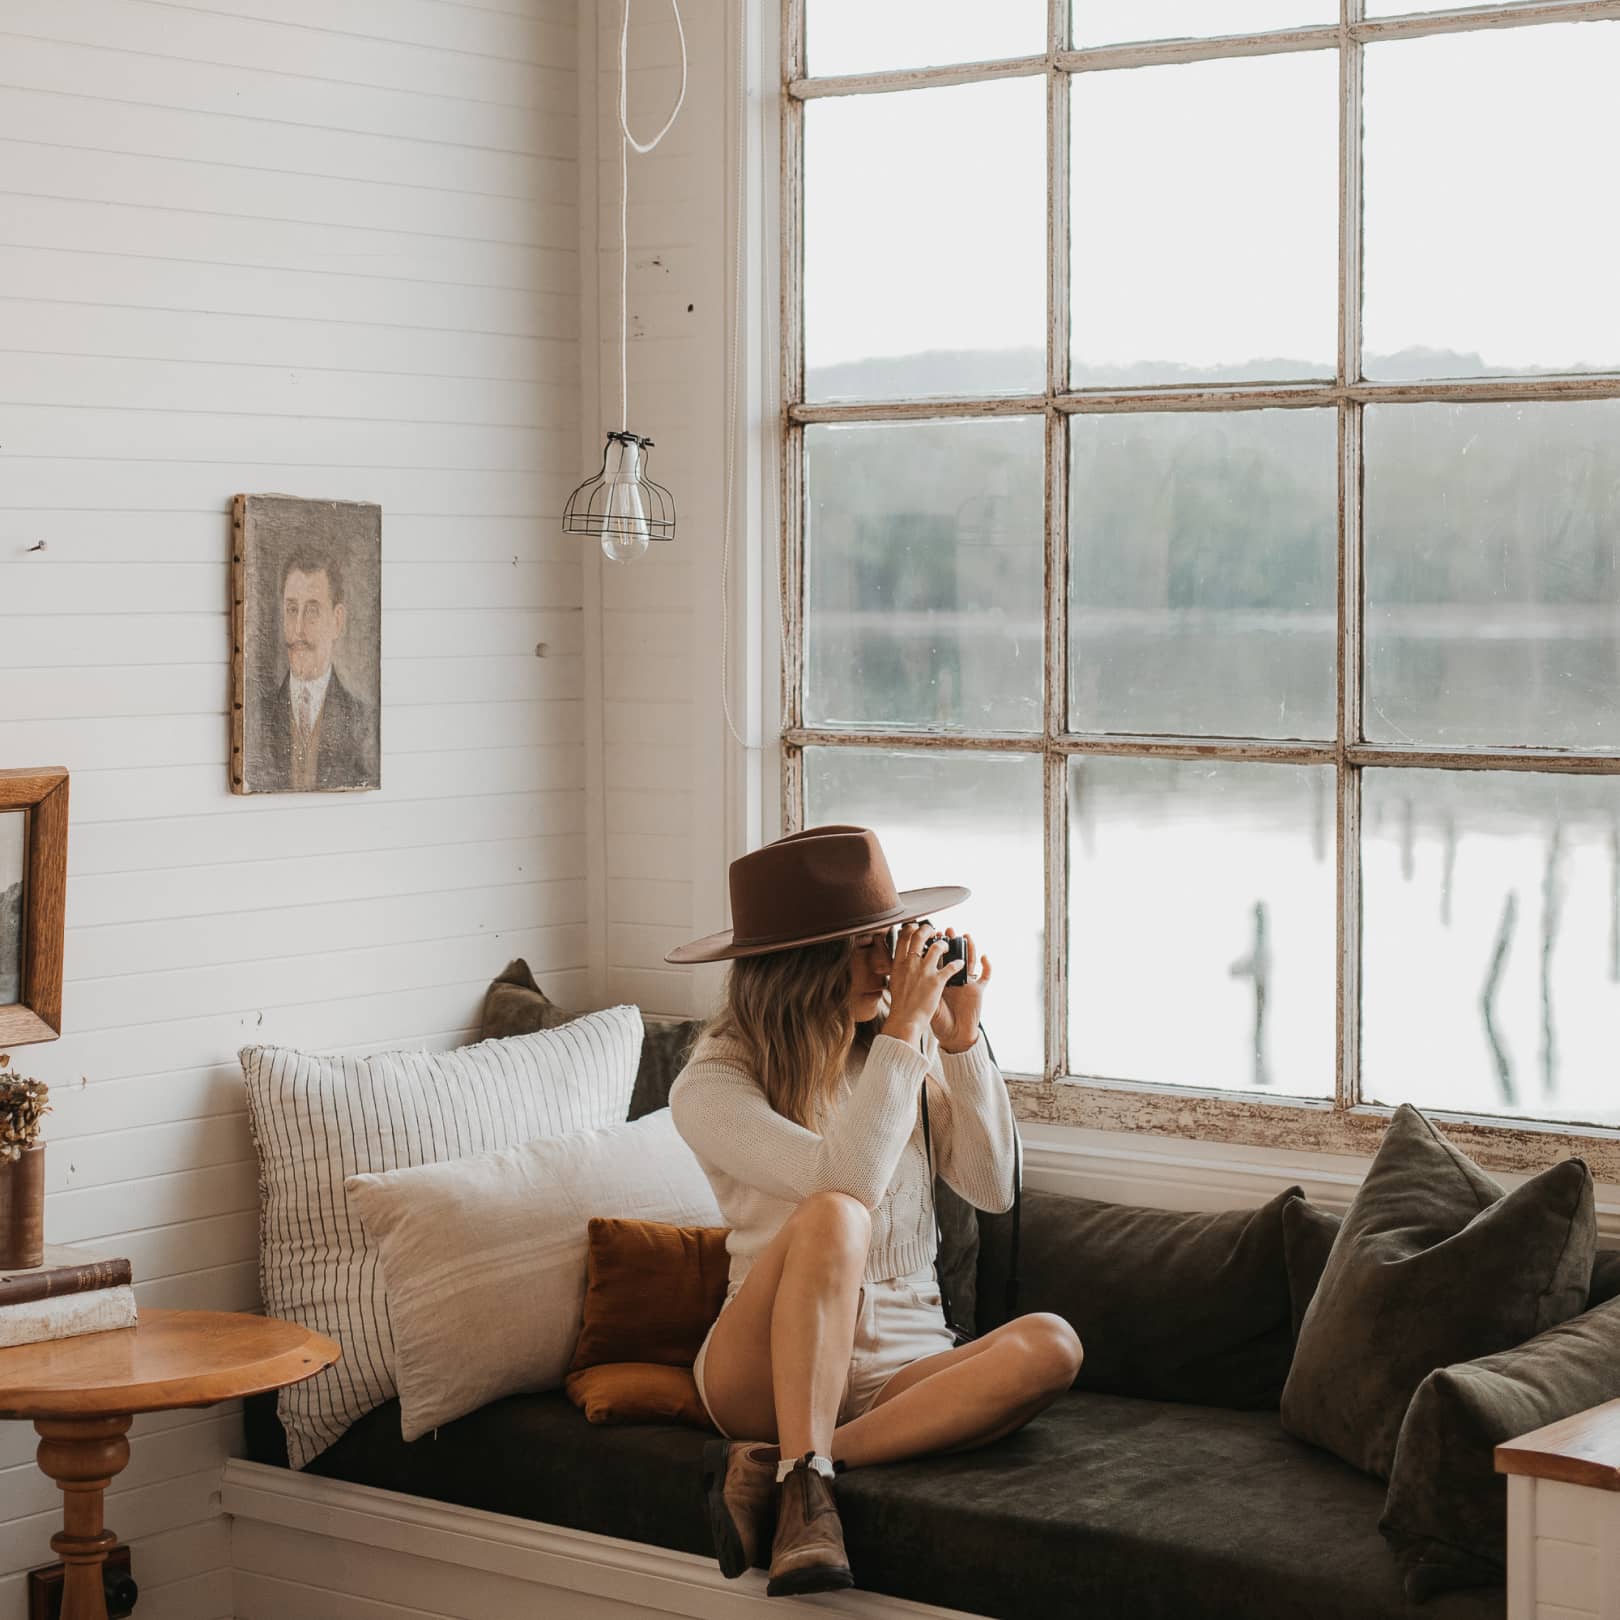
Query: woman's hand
{"type": "Point", "coordinates": [916, 978]}
{"type": "Point", "coordinates": [956, 1018]}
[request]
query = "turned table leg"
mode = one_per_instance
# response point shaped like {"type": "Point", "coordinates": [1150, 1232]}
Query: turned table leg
{"type": "Point", "coordinates": [83, 1455]}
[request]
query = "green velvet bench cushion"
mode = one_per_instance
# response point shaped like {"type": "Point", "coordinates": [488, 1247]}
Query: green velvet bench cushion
{"type": "Point", "coordinates": [1104, 1506]}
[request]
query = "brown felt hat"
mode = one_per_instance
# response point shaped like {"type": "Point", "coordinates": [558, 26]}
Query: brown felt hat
{"type": "Point", "coordinates": [822, 883]}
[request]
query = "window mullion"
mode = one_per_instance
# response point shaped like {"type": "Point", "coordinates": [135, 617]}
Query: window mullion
{"type": "Point", "coordinates": [1055, 798]}
{"type": "Point", "coordinates": [1055, 774]}
{"type": "Point", "coordinates": [791, 581]}
{"type": "Point", "coordinates": [1347, 997]}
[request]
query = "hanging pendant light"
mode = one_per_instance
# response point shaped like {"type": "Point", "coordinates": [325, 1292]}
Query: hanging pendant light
{"type": "Point", "coordinates": [621, 505]}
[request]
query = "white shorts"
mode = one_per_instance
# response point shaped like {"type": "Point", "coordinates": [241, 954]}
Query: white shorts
{"type": "Point", "coordinates": [897, 1321]}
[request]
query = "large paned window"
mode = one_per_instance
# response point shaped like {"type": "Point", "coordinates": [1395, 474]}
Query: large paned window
{"type": "Point", "coordinates": [1202, 538]}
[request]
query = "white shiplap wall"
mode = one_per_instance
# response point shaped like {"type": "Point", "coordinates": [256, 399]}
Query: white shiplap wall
{"type": "Point", "coordinates": [328, 247]}
{"type": "Point", "coordinates": [654, 753]}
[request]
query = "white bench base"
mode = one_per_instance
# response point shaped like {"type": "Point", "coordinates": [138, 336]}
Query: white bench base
{"type": "Point", "coordinates": [1563, 1551]}
{"type": "Point", "coordinates": [306, 1548]}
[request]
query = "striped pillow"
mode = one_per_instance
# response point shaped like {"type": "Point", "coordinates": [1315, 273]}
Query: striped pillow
{"type": "Point", "coordinates": [317, 1120]}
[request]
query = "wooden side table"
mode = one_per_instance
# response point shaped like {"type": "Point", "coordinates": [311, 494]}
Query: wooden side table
{"type": "Point", "coordinates": [83, 1392]}
{"type": "Point", "coordinates": [1563, 1516]}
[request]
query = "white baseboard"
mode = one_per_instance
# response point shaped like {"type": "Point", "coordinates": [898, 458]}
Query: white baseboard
{"type": "Point", "coordinates": [305, 1548]}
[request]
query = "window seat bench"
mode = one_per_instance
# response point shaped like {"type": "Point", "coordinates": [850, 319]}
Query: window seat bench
{"type": "Point", "coordinates": [1111, 1507]}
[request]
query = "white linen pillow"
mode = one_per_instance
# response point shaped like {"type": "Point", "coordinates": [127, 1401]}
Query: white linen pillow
{"type": "Point", "coordinates": [483, 1260]}
{"type": "Point", "coordinates": [317, 1120]}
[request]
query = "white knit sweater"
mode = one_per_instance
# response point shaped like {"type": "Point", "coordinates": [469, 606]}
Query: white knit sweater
{"type": "Point", "coordinates": [761, 1165]}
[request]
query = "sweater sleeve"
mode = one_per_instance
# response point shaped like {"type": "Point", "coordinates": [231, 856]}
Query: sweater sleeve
{"type": "Point", "coordinates": [725, 1118]}
{"type": "Point", "coordinates": [971, 1120]}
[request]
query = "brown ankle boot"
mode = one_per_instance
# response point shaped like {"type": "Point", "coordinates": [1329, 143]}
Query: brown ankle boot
{"type": "Point", "coordinates": [807, 1554]}
{"type": "Point", "coordinates": [739, 1488]}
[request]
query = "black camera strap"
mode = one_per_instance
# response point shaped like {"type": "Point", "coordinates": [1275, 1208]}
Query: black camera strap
{"type": "Point", "coordinates": [1010, 1302]}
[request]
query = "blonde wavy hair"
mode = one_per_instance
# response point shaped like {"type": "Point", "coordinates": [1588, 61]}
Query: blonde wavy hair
{"type": "Point", "coordinates": [790, 1012]}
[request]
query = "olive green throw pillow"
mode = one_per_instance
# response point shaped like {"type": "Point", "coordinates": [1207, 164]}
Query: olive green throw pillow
{"type": "Point", "coordinates": [1446, 1512]}
{"type": "Point", "coordinates": [1308, 1234]}
{"type": "Point", "coordinates": [1169, 1305]}
{"type": "Point", "coordinates": [1433, 1265]}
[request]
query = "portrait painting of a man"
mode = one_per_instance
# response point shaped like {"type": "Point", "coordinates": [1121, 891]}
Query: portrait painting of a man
{"type": "Point", "coordinates": [13, 846]}
{"type": "Point", "coordinates": [308, 655]}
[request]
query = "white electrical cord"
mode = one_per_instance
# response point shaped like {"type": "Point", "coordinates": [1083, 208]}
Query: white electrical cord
{"type": "Point", "coordinates": [624, 187]}
{"type": "Point", "coordinates": [736, 347]}
{"type": "Point", "coordinates": [625, 144]}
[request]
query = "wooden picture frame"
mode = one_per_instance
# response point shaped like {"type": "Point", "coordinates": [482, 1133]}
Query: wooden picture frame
{"type": "Point", "coordinates": [306, 645]}
{"type": "Point", "coordinates": [42, 794]}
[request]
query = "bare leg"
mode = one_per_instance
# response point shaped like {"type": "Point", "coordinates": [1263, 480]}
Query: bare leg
{"type": "Point", "coordinates": [965, 1397]}
{"type": "Point", "coordinates": [779, 1357]}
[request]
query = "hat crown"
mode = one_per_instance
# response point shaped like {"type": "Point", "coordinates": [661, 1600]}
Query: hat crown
{"type": "Point", "coordinates": [820, 881]}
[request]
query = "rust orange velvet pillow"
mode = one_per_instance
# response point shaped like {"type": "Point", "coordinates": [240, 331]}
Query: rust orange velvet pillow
{"type": "Point", "coordinates": [652, 1291]}
{"type": "Point", "coordinates": [637, 1392]}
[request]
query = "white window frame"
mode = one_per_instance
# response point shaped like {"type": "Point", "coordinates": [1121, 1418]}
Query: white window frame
{"type": "Point", "coordinates": [1344, 1123]}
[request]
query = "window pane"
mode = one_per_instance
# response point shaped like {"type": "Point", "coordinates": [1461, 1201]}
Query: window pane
{"type": "Point", "coordinates": [1201, 924]}
{"type": "Point", "coordinates": [858, 36]}
{"type": "Point", "coordinates": [1491, 942]}
{"type": "Point", "coordinates": [1493, 574]}
{"type": "Point", "coordinates": [973, 819]}
{"type": "Point", "coordinates": [1111, 22]}
{"type": "Point", "coordinates": [1489, 243]}
{"type": "Point", "coordinates": [1203, 573]}
{"type": "Point", "coordinates": [924, 569]}
{"type": "Point", "coordinates": [925, 242]}
{"type": "Point", "coordinates": [1205, 245]}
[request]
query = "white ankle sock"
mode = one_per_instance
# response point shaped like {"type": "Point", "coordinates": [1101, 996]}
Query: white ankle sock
{"type": "Point", "coordinates": [822, 1465]}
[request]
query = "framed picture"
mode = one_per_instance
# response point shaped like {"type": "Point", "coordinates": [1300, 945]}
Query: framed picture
{"type": "Point", "coordinates": [33, 902]}
{"type": "Point", "coordinates": [306, 661]}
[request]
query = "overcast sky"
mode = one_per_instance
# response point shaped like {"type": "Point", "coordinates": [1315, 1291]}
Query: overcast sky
{"type": "Point", "coordinates": [1205, 211]}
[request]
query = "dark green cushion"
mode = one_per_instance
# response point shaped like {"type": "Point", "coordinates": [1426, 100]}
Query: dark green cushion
{"type": "Point", "coordinates": [1308, 1234]}
{"type": "Point", "coordinates": [1169, 1305]}
{"type": "Point", "coordinates": [1605, 1277]}
{"type": "Point", "coordinates": [515, 1005]}
{"type": "Point", "coordinates": [957, 1262]}
{"type": "Point", "coordinates": [1446, 1512]}
{"type": "Point", "coordinates": [1432, 1266]}
{"type": "Point", "coordinates": [1105, 1507]}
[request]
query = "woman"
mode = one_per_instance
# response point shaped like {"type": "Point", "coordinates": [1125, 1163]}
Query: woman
{"type": "Point", "coordinates": [801, 1103]}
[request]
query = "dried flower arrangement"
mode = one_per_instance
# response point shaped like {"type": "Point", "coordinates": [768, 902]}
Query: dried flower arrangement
{"type": "Point", "coordinates": [23, 1104]}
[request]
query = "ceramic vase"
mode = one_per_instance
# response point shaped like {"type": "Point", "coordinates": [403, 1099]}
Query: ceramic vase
{"type": "Point", "coordinates": [22, 1209]}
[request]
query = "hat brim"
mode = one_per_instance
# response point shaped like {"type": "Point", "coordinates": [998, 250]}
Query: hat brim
{"type": "Point", "coordinates": [911, 904]}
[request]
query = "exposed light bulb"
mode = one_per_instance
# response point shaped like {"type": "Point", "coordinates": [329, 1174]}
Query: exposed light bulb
{"type": "Point", "coordinates": [625, 534]}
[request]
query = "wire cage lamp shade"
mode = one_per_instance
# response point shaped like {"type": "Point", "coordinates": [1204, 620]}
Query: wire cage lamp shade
{"type": "Point", "coordinates": [621, 505]}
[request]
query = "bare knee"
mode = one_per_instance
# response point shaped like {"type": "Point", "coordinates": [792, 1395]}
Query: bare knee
{"type": "Point", "coordinates": [835, 1223]}
{"type": "Point", "coordinates": [1052, 1351]}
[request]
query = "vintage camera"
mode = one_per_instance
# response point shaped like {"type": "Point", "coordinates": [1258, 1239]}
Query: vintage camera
{"type": "Point", "coordinates": [955, 951]}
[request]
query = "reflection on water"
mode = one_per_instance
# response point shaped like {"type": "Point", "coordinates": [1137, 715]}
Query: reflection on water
{"type": "Point", "coordinates": [1202, 938]}
{"type": "Point", "coordinates": [1201, 924]}
{"type": "Point", "coordinates": [1487, 1001]}
{"type": "Point", "coordinates": [1256, 966]}
{"type": "Point", "coordinates": [1488, 942]}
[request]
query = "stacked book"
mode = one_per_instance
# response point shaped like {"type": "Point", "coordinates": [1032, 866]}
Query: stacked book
{"type": "Point", "coordinates": [72, 1291]}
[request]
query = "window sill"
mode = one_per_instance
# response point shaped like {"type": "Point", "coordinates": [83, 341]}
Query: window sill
{"type": "Point", "coordinates": [1518, 1147]}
